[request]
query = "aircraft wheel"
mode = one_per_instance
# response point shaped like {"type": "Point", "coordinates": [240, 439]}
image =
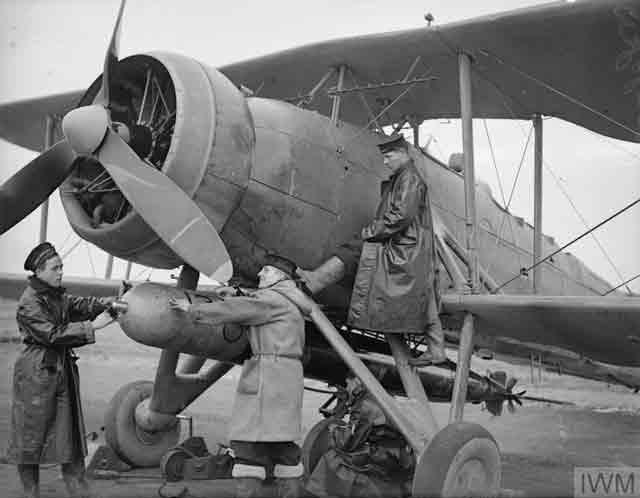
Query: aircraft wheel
{"type": "Point", "coordinates": [462, 460]}
{"type": "Point", "coordinates": [316, 444]}
{"type": "Point", "coordinates": [132, 444]}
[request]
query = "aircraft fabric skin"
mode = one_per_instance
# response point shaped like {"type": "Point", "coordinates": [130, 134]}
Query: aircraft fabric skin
{"type": "Point", "coordinates": [395, 279]}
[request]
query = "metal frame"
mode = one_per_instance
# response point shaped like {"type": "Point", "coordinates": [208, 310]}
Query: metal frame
{"type": "Point", "coordinates": [537, 203]}
{"type": "Point", "coordinates": [459, 395]}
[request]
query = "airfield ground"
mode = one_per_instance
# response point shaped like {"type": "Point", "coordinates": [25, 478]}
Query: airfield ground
{"type": "Point", "coordinates": [540, 443]}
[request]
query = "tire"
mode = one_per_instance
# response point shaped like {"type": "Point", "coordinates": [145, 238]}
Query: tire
{"type": "Point", "coordinates": [461, 460]}
{"type": "Point", "coordinates": [316, 444]}
{"type": "Point", "coordinates": [132, 444]}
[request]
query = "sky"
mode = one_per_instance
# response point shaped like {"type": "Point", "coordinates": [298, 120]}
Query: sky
{"type": "Point", "coordinates": [51, 46]}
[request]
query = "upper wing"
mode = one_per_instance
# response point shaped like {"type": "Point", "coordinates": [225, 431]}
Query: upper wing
{"type": "Point", "coordinates": [605, 329]}
{"type": "Point", "coordinates": [570, 60]}
{"type": "Point", "coordinates": [577, 61]}
{"type": "Point", "coordinates": [23, 122]}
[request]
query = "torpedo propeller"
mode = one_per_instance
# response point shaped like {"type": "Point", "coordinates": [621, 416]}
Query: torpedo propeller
{"type": "Point", "coordinates": [89, 131]}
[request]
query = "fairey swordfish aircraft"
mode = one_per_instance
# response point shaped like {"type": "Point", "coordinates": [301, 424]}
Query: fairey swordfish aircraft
{"type": "Point", "coordinates": [167, 162]}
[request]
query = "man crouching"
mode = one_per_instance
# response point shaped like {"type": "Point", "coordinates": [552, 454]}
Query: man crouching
{"type": "Point", "coordinates": [267, 411]}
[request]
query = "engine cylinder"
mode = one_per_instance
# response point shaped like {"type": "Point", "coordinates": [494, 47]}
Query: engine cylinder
{"type": "Point", "coordinates": [202, 138]}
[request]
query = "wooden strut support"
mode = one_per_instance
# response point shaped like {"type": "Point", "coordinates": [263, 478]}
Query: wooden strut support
{"type": "Point", "coordinates": [127, 273]}
{"type": "Point", "coordinates": [465, 348]}
{"type": "Point", "coordinates": [459, 395]}
{"type": "Point", "coordinates": [308, 99]}
{"type": "Point", "coordinates": [460, 251]}
{"type": "Point", "coordinates": [337, 100]}
{"type": "Point", "coordinates": [173, 391]}
{"type": "Point", "coordinates": [450, 264]}
{"type": "Point", "coordinates": [537, 203]}
{"type": "Point", "coordinates": [49, 130]}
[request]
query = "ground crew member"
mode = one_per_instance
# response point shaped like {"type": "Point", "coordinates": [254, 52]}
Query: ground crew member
{"type": "Point", "coordinates": [395, 288]}
{"type": "Point", "coordinates": [267, 413]}
{"type": "Point", "coordinates": [46, 419]}
{"type": "Point", "coordinates": [367, 457]}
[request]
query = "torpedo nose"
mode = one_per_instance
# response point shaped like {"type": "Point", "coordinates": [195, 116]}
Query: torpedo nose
{"type": "Point", "coordinates": [85, 128]}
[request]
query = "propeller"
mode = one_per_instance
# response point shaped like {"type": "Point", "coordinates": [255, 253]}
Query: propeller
{"type": "Point", "coordinates": [164, 206]}
{"type": "Point", "coordinates": [34, 183]}
{"type": "Point", "coordinates": [110, 61]}
{"type": "Point", "coordinates": [504, 386]}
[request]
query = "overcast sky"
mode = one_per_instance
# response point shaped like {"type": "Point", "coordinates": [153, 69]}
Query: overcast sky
{"type": "Point", "coordinates": [50, 46]}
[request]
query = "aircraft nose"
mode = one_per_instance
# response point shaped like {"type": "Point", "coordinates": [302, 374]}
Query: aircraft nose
{"type": "Point", "coordinates": [85, 128]}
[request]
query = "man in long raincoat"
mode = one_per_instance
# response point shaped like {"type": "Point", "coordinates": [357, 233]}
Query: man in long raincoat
{"type": "Point", "coordinates": [266, 420]}
{"type": "Point", "coordinates": [46, 419]}
{"type": "Point", "coordinates": [395, 286]}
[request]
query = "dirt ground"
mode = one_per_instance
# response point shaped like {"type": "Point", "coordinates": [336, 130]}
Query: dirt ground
{"type": "Point", "coordinates": [540, 443]}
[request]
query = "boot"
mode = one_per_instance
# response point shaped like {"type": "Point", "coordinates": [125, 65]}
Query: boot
{"type": "Point", "coordinates": [249, 487]}
{"type": "Point", "coordinates": [289, 487]}
{"type": "Point", "coordinates": [74, 479]}
{"type": "Point", "coordinates": [30, 478]}
{"type": "Point", "coordinates": [435, 354]}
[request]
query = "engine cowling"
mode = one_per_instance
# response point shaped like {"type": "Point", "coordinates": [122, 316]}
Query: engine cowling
{"type": "Point", "coordinates": [181, 117]}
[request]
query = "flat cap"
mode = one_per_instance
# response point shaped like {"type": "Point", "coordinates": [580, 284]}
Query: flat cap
{"type": "Point", "coordinates": [38, 255]}
{"type": "Point", "coordinates": [392, 143]}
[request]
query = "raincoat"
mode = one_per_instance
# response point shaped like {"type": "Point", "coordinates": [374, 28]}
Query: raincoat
{"type": "Point", "coordinates": [46, 419]}
{"type": "Point", "coordinates": [268, 402]}
{"type": "Point", "coordinates": [396, 272]}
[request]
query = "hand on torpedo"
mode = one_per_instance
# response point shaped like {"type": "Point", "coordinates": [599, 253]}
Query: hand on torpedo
{"type": "Point", "coordinates": [182, 305]}
{"type": "Point", "coordinates": [102, 320]}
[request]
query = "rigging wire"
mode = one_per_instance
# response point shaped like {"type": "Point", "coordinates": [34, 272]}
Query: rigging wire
{"type": "Point", "coordinates": [623, 283]}
{"type": "Point", "coordinates": [525, 270]}
{"type": "Point", "coordinates": [562, 94]}
{"type": "Point", "coordinates": [70, 250]}
{"type": "Point", "coordinates": [66, 239]}
{"type": "Point", "coordinates": [547, 166]}
{"type": "Point", "coordinates": [502, 194]}
{"type": "Point", "coordinates": [93, 269]}
{"type": "Point", "coordinates": [584, 222]}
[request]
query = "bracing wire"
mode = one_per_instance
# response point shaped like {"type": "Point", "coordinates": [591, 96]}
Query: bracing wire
{"type": "Point", "coordinates": [547, 166]}
{"type": "Point", "coordinates": [93, 268]}
{"type": "Point", "coordinates": [537, 263]}
{"type": "Point", "coordinates": [502, 194]}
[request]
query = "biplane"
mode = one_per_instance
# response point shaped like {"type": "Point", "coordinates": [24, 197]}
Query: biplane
{"type": "Point", "coordinates": [168, 162]}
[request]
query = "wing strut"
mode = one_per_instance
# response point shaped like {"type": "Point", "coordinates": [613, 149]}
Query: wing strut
{"type": "Point", "coordinates": [465, 348]}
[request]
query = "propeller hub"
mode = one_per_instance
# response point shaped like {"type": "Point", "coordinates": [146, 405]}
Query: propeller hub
{"type": "Point", "coordinates": [85, 128]}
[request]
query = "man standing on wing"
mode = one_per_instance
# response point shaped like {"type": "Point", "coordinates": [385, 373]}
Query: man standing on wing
{"type": "Point", "coordinates": [267, 413]}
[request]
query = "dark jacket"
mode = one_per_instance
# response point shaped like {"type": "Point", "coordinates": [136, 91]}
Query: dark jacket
{"type": "Point", "coordinates": [396, 273]}
{"type": "Point", "coordinates": [46, 419]}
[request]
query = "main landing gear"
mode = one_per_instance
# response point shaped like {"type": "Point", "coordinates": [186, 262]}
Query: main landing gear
{"type": "Point", "coordinates": [462, 459]}
{"type": "Point", "coordinates": [130, 442]}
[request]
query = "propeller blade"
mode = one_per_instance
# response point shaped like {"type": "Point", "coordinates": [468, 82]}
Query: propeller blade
{"type": "Point", "coordinates": [34, 183]}
{"type": "Point", "coordinates": [110, 60]}
{"type": "Point", "coordinates": [167, 209]}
